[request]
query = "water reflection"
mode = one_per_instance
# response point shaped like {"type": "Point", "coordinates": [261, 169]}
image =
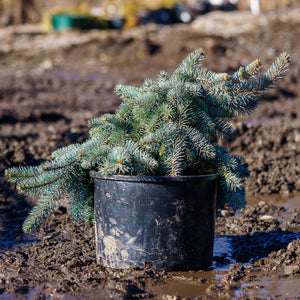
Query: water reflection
{"type": "Point", "coordinates": [248, 248]}
{"type": "Point", "coordinates": [222, 256]}
{"type": "Point", "coordinates": [12, 213]}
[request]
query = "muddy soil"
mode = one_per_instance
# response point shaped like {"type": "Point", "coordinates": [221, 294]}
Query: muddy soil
{"type": "Point", "coordinates": [51, 84]}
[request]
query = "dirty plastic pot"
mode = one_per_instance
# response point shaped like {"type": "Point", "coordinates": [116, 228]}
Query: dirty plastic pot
{"type": "Point", "coordinates": [167, 222]}
{"type": "Point", "coordinates": [69, 21]}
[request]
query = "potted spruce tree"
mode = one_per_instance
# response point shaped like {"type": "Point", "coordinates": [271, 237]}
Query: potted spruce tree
{"type": "Point", "coordinates": [148, 173]}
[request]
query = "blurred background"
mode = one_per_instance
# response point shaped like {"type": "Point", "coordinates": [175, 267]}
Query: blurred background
{"type": "Point", "coordinates": [132, 12]}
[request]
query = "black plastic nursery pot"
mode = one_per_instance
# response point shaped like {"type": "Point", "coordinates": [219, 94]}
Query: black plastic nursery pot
{"type": "Point", "coordinates": [167, 222]}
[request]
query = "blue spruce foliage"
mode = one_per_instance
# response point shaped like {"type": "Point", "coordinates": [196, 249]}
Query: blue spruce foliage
{"type": "Point", "coordinates": [168, 127]}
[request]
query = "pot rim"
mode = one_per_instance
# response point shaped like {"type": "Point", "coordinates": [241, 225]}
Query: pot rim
{"type": "Point", "coordinates": [153, 179]}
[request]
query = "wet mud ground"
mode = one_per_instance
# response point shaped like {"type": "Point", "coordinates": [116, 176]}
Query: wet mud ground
{"type": "Point", "coordinates": [51, 84]}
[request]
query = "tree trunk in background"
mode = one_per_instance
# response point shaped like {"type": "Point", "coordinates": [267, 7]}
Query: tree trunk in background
{"type": "Point", "coordinates": [266, 5]}
{"type": "Point", "coordinates": [23, 11]}
{"type": "Point", "coordinates": [19, 11]}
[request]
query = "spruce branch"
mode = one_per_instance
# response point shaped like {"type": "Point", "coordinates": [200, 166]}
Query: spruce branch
{"type": "Point", "coordinates": [22, 174]}
{"type": "Point", "coordinates": [141, 162]}
{"type": "Point", "coordinates": [249, 71]}
{"type": "Point", "coordinates": [155, 120]}
{"type": "Point", "coordinates": [89, 215]}
{"type": "Point", "coordinates": [271, 78]}
{"type": "Point", "coordinates": [235, 198]}
{"type": "Point", "coordinates": [126, 91]}
{"type": "Point", "coordinates": [177, 157]}
{"type": "Point", "coordinates": [94, 156]}
{"type": "Point", "coordinates": [199, 144]}
{"type": "Point", "coordinates": [44, 207]}
{"type": "Point", "coordinates": [188, 69]}
{"type": "Point", "coordinates": [79, 190]}
{"type": "Point", "coordinates": [160, 134]}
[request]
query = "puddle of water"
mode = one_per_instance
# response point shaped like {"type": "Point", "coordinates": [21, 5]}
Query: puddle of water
{"type": "Point", "coordinates": [281, 289]}
{"type": "Point", "coordinates": [195, 283]}
{"type": "Point", "coordinates": [23, 293]}
{"type": "Point", "coordinates": [97, 293]}
{"type": "Point", "coordinates": [239, 294]}
{"type": "Point", "coordinates": [77, 76]}
{"type": "Point", "coordinates": [180, 288]}
{"type": "Point", "coordinates": [12, 243]}
{"type": "Point", "coordinates": [290, 203]}
{"type": "Point", "coordinates": [26, 293]}
{"type": "Point", "coordinates": [186, 285]}
{"type": "Point", "coordinates": [263, 122]}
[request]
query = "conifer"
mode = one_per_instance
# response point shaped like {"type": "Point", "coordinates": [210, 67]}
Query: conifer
{"type": "Point", "coordinates": [168, 127]}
